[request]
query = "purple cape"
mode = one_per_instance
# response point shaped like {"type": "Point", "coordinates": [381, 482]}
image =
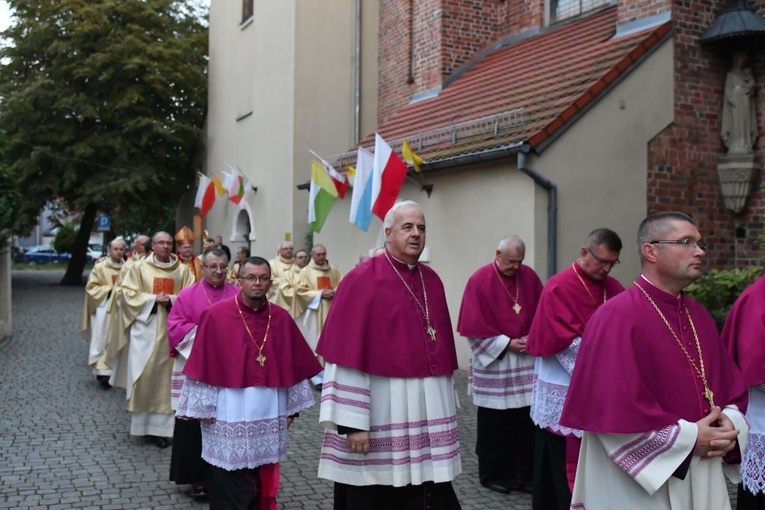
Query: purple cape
{"type": "Point", "coordinates": [225, 356]}
{"type": "Point", "coordinates": [190, 304]}
{"type": "Point", "coordinates": [564, 309]}
{"type": "Point", "coordinates": [631, 376]}
{"type": "Point", "coordinates": [375, 326]}
{"type": "Point", "coordinates": [487, 308]}
{"type": "Point", "coordinates": [744, 333]}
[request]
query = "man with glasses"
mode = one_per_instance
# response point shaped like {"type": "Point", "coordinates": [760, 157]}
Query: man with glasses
{"type": "Point", "coordinates": [186, 465]}
{"type": "Point", "coordinates": [498, 305]}
{"type": "Point", "coordinates": [657, 395]}
{"type": "Point", "coordinates": [149, 290]}
{"type": "Point", "coordinates": [245, 382]}
{"type": "Point", "coordinates": [568, 301]}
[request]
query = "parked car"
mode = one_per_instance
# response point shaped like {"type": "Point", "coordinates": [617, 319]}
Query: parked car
{"type": "Point", "coordinates": [45, 254]}
{"type": "Point", "coordinates": [17, 254]}
{"type": "Point", "coordinates": [95, 252]}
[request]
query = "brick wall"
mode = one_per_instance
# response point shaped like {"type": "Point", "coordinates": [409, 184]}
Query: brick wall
{"type": "Point", "coordinates": [446, 35]}
{"type": "Point", "coordinates": [682, 160]}
{"type": "Point", "coordinates": [632, 10]}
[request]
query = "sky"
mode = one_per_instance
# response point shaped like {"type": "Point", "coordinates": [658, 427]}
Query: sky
{"type": "Point", "coordinates": [5, 15]}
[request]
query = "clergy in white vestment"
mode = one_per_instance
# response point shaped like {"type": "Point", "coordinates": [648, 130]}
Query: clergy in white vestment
{"type": "Point", "coordinates": [117, 341]}
{"type": "Point", "coordinates": [98, 296]}
{"type": "Point", "coordinates": [288, 282]}
{"type": "Point", "coordinates": [149, 290]}
{"type": "Point", "coordinates": [315, 290]}
{"type": "Point", "coordinates": [388, 402]}
{"type": "Point", "coordinates": [657, 395]}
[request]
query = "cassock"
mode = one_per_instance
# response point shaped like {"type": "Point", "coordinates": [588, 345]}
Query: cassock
{"type": "Point", "coordinates": [309, 309]}
{"type": "Point", "coordinates": [186, 465]}
{"type": "Point", "coordinates": [637, 395]}
{"type": "Point", "coordinates": [98, 296]}
{"type": "Point", "coordinates": [568, 301]}
{"type": "Point", "coordinates": [248, 372]}
{"type": "Point", "coordinates": [149, 366]}
{"type": "Point", "coordinates": [744, 336]}
{"type": "Point", "coordinates": [385, 374]}
{"type": "Point", "coordinates": [495, 309]}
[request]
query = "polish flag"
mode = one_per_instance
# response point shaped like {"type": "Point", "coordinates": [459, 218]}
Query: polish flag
{"type": "Point", "coordinates": [388, 174]}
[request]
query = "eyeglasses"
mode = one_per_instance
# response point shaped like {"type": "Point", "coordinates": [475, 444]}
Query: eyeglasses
{"type": "Point", "coordinates": [253, 279]}
{"type": "Point", "coordinates": [216, 268]}
{"type": "Point", "coordinates": [164, 243]}
{"type": "Point", "coordinates": [686, 242]}
{"type": "Point", "coordinates": [602, 261]}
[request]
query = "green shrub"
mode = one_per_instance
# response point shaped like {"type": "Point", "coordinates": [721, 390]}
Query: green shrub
{"type": "Point", "coordinates": [65, 236]}
{"type": "Point", "coordinates": [718, 289]}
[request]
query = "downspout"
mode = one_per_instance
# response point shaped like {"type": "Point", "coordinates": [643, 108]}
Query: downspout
{"type": "Point", "coordinates": [552, 212]}
{"type": "Point", "coordinates": [357, 76]}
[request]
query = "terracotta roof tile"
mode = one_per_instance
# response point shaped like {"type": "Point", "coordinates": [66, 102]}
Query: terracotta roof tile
{"type": "Point", "coordinates": [552, 77]}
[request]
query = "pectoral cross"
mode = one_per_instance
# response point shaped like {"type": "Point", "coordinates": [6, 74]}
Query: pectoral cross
{"type": "Point", "coordinates": [709, 394]}
{"type": "Point", "coordinates": [517, 308]}
{"type": "Point", "coordinates": [261, 359]}
{"type": "Point", "coordinates": [432, 333]}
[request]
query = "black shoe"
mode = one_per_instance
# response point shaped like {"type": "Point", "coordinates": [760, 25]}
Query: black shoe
{"type": "Point", "coordinates": [317, 387]}
{"type": "Point", "coordinates": [103, 381]}
{"type": "Point", "coordinates": [198, 492]}
{"type": "Point", "coordinates": [496, 487]}
{"type": "Point", "coordinates": [162, 442]}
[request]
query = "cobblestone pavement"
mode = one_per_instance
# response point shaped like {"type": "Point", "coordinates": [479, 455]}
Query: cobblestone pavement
{"type": "Point", "coordinates": [64, 442]}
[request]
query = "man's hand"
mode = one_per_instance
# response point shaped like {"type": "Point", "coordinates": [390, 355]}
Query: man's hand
{"type": "Point", "coordinates": [327, 294]}
{"type": "Point", "coordinates": [358, 442]}
{"type": "Point", "coordinates": [716, 436]}
{"type": "Point", "coordinates": [517, 345]}
{"type": "Point", "coordinates": [163, 299]}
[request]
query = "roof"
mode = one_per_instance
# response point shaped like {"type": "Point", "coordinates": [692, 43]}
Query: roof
{"type": "Point", "coordinates": [522, 94]}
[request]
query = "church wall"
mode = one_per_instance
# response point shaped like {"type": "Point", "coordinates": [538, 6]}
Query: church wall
{"type": "Point", "coordinates": [600, 163]}
{"type": "Point", "coordinates": [280, 85]}
{"type": "Point", "coordinates": [250, 116]}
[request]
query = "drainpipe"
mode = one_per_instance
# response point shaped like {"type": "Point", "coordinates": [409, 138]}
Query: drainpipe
{"type": "Point", "coordinates": [552, 212]}
{"type": "Point", "coordinates": [357, 76]}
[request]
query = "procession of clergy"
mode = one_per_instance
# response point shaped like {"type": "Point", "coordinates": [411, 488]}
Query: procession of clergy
{"type": "Point", "coordinates": [589, 396]}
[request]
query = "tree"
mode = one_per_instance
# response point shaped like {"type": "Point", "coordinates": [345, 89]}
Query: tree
{"type": "Point", "coordinates": [102, 102]}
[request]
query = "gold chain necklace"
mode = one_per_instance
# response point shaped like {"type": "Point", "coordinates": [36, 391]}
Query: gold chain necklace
{"type": "Point", "coordinates": [431, 330]}
{"type": "Point", "coordinates": [517, 306]}
{"type": "Point", "coordinates": [261, 359]}
{"type": "Point", "coordinates": [587, 288]}
{"type": "Point", "coordinates": [708, 393]}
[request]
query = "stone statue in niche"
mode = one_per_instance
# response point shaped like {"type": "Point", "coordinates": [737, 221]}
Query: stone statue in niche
{"type": "Point", "coordinates": [739, 113]}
